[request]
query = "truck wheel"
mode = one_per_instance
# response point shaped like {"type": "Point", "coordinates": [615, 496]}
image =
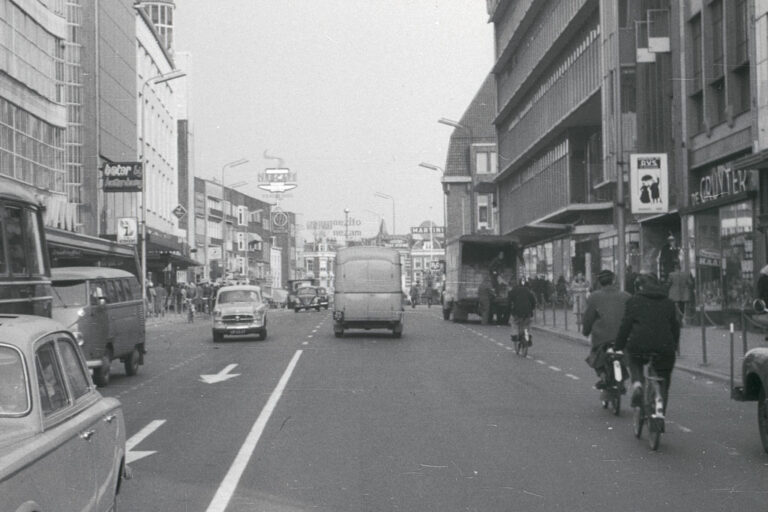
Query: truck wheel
{"type": "Point", "coordinates": [397, 330]}
{"type": "Point", "coordinates": [102, 374]}
{"type": "Point", "coordinates": [131, 363]}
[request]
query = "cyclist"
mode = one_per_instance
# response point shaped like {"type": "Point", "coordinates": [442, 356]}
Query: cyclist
{"type": "Point", "coordinates": [605, 309]}
{"type": "Point", "coordinates": [650, 327]}
{"type": "Point", "coordinates": [523, 304]}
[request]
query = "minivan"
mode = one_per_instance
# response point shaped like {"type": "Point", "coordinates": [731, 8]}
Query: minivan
{"type": "Point", "coordinates": [104, 309]}
{"type": "Point", "coordinates": [368, 293]}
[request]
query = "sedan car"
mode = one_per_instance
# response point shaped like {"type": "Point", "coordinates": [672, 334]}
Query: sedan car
{"type": "Point", "coordinates": [62, 444]}
{"type": "Point", "coordinates": [307, 298]}
{"type": "Point", "coordinates": [755, 388]}
{"type": "Point", "coordinates": [239, 310]}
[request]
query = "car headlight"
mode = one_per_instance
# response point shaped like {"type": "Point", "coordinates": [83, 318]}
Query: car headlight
{"type": "Point", "coordinates": [79, 337]}
{"type": "Point", "coordinates": [216, 313]}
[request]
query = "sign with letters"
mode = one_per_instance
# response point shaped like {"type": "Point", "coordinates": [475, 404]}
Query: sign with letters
{"type": "Point", "coordinates": [424, 230]}
{"type": "Point", "coordinates": [122, 176]}
{"type": "Point", "coordinates": [649, 183]}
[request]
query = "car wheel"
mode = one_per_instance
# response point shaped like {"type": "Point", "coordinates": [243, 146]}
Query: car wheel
{"type": "Point", "coordinates": [317, 308]}
{"type": "Point", "coordinates": [218, 337]}
{"type": "Point", "coordinates": [102, 374]}
{"type": "Point", "coordinates": [263, 335]}
{"type": "Point", "coordinates": [131, 363]}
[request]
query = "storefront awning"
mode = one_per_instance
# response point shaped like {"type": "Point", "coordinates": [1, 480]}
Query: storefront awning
{"type": "Point", "coordinates": [758, 161]}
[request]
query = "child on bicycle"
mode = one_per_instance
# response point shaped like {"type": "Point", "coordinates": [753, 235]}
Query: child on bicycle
{"type": "Point", "coordinates": [650, 327]}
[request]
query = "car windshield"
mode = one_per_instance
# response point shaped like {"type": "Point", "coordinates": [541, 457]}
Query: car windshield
{"type": "Point", "coordinates": [69, 294]}
{"type": "Point", "coordinates": [307, 292]}
{"type": "Point", "coordinates": [239, 296]}
{"type": "Point", "coordinates": [14, 399]}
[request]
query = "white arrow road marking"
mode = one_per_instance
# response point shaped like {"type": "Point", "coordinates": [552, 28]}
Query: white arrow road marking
{"type": "Point", "coordinates": [132, 456]}
{"type": "Point", "coordinates": [221, 376]}
{"type": "Point", "coordinates": [228, 486]}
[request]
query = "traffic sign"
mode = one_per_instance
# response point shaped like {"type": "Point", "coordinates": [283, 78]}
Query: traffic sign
{"type": "Point", "coordinates": [180, 211]}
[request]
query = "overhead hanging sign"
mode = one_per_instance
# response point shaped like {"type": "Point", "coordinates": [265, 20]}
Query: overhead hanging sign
{"type": "Point", "coordinates": [122, 176]}
{"type": "Point", "coordinates": [277, 180]}
{"type": "Point", "coordinates": [649, 183]}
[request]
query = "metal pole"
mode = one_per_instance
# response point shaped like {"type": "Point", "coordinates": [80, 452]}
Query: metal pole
{"type": "Point", "coordinates": [554, 315]}
{"type": "Point", "coordinates": [731, 352]}
{"type": "Point", "coordinates": [619, 209]}
{"type": "Point", "coordinates": [565, 314]}
{"type": "Point", "coordinates": [143, 203]}
{"type": "Point", "coordinates": [703, 337]}
{"type": "Point", "coordinates": [578, 312]}
{"type": "Point", "coordinates": [743, 332]}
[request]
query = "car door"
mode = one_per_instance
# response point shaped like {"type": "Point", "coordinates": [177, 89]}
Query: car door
{"type": "Point", "coordinates": [67, 475]}
{"type": "Point", "coordinates": [106, 422]}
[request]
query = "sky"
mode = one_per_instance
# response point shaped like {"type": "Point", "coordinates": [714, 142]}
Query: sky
{"type": "Point", "coordinates": [345, 93]}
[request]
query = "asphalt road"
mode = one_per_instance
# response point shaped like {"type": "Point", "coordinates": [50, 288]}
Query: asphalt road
{"type": "Point", "coordinates": [446, 418]}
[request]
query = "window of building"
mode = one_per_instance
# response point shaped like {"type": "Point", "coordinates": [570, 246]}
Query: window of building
{"type": "Point", "coordinates": [740, 91]}
{"type": "Point", "coordinates": [695, 53]}
{"type": "Point", "coordinates": [486, 162]}
{"type": "Point", "coordinates": [484, 218]}
{"type": "Point", "coordinates": [241, 241]}
{"type": "Point", "coordinates": [241, 216]}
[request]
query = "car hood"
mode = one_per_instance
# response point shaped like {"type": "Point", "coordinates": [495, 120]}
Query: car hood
{"type": "Point", "coordinates": [236, 308]}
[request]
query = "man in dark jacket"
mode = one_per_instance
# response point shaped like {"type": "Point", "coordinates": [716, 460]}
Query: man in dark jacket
{"type": "Point", "coordinates": [650, 326]}
{"type": "Point", "coordinates": [523, 304]}
{"type": "Point", "coordinates": [602, 318]}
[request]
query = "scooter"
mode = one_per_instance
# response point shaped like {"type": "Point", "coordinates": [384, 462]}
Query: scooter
{"type": "Point", "coordinates": [610, 396]}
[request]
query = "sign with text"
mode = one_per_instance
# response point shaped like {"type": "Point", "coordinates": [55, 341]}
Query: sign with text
{"type": "Point", "coordinates": [424, 230]}
{"type": "Point", "coordinates": [180, 211]}
{"type": "Point", "coordinates": [723, 181]}
{"type": "Point", "coordinates": [127, 230]}
{"type": "Point", "coordinates": [649, 183]}
{"type": "Point", "coordinates": [277, 180]}
{"type": "Point", "coordinates": [122, 176]}
{"type": "Point", "coordinates": [280, 221]}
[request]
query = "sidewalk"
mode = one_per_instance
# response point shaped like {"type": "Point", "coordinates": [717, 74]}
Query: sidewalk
{"type": "Point", "coordinates": [691, 359]}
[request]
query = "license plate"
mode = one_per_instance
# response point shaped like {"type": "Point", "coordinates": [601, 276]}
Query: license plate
{"type": "Point", "coordinates": [237, 331]}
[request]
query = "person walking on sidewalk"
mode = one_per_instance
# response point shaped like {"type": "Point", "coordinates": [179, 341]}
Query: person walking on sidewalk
{"type": "Point", "coordinates": [650, 327]}
{"type": "Point", "coordinates": [602, 318]}
{"type": "Point", "coordinates": [680, 286]}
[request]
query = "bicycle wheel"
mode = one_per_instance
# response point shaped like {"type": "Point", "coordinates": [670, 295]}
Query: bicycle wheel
{"type": "Point", "coordinates": [655, 425]}
{"type": "Point", "coordinates": [524, 350]}
{"type": "Point", "coordinates": [518, 346]}
{"type": "Point", "coordinates": [638, 418]}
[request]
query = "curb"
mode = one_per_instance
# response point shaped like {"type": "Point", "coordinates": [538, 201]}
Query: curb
{"type": "Point", "coordinates": [574, 338]}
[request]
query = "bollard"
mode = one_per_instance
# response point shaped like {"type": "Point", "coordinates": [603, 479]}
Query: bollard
{"type": "Point", "coordinates": [578, 313]}
{"type": "Point", "coordinates": [543, 314]}
{"type": "Point", "coordinates": [554, 315]}
{"type": "Point", "coordinates": [743, 330]}
{"type": "Point", "coordinates": [565, 315]}
{"type": "Point", "coordinates": [703, 337]}
{"type": "Point", "coordinates": [732, 353]}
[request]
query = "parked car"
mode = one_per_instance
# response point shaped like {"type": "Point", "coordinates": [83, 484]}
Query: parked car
{"type": "Point", "coordinates": [62, 444]}
{"type": "Point", "coordinates": [754, 371]}
{"type": "Point", "coordinates": [322, 294]}
{"type": "Point", "coordinates": [103, 307]}
{"type": "Point", "coordinates": [307, 298]}
{"type": "Point", "coordinates": [239, 310]}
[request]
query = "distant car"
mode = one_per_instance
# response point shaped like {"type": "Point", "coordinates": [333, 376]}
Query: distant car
{"type": "Point", "coordinates": [308, 298]}
{"type": "Point", "coordinates": [755, 388]}
{"type": "Point", "coordinates": [322, 294]}
{"type": "Point", "coordinates": [239, 310]}
{"type": "Point", "coordinates": [62, 444]}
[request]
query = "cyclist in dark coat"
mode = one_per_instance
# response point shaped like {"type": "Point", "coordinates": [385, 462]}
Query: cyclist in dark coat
{"type": "Point", "coordinates": [650, 326]}
{"type": "Point", "coordinates": [523, 305]}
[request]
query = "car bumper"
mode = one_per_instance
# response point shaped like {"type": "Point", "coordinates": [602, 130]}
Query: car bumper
{"type": "Point", "coordinates": [233, 329]}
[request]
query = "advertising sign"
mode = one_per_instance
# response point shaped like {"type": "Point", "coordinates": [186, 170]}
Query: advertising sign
{"type": "Point", "coordinates": [424, 230]}
{"type": "Point", "coordinates": [127, 230]}
{"type": "Point", "coordinates": [214, 253]}
{"type": "Point", "coordinates": [279, 221]}
{"type": "Point", "coordinates": [122, 176]}
{"type": "Point", "coordinates": [277, 180]}
{"type": "Point", "coordinates": [649, 183]}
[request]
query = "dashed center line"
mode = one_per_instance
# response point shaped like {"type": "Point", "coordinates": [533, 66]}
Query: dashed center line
{"type": "Point", "coordinates": [540, 361]}
{"type": "Point", "coordinates": [555, 368]}
{"type": "Point", "coordinates": [571, 376]}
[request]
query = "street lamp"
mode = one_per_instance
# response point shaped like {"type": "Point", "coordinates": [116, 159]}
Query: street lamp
{"type": "Point", "coordinates": [456, 124]}
{"type": "Point", "coordinates": [386, 196]}
{"type": "Point", "coordinates": [346, 227]}
{"type": "Point", "coordinates": [226, 166]}
{"type": "Point", "coordinates": [433, 167]}
{"type": "Point", "coordinates": [157, 79]}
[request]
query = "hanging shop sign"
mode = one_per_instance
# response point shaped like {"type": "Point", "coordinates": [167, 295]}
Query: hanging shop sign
{"type": "Point", "coordinates": [280, 221]}
{"type": "Point", "coordinates": [127, 230]}
{"type": "Point", "coordinates": [277, 180]}
{"type": "Point", "coordinates": [723, 181]}
{"type": "Point", "coordinates": [122, 176]}
{"type": "Point", "coordinates": [649, 183]}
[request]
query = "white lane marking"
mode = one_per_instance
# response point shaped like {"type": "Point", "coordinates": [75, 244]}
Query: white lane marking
{"type": "Point", "coordinates": [221, 376]}
{"type": "Point", "coordinates": [228, 486]}
{"type": "Point", "coordinates": [309, 336]}
{"type": "Point", "coordinates": [508, 348]}
{"type": "Point", "coordinates": [540, 361]}
{"type": "Point", "coordinates": [555, 368]}
{"type": "Point", "coordinates": [681, 427]}
{"type": "Point", "coordinates": [130, 444]}
{"type": "Point", "coordinates": [314, 330]}
{"type": "Point", "coordinates": [571, 376]}
{"type": "Point", "coordinates": [305, 343]}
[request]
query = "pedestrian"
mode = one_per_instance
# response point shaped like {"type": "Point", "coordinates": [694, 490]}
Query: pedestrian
{"type": "Point", "coordinates": [650, 326]}
{"type": "Point", "coordinates": [183, 296]}
{"type": "Point", "coordinates": [602, 318]}
{"type": "Point", "coordinates": [762, 285]}
{"type": "Point", "coordinates": [680, 286]}
{"type": "Point", "coordinates": [629, 280]}
{"type": "Point", "coordinates": [579, 289]}
{"type": "Point", "coordinates": [151, 299]}
{"type": "Point", "coordinates": [162, 299]}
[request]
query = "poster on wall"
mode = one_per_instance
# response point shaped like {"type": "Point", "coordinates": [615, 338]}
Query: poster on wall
{"type": "Point", "coordinates": [649, 183]}
{"type": "Point", "coordinates": [127, 230]}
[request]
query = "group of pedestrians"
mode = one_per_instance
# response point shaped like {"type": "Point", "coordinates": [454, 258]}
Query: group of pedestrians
{"type": "Point", "coordinates": [179, 298]}
{"type": "Point", "coordinates": [642, 325]}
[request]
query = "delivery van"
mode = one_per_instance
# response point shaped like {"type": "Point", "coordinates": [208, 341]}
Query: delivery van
{"type": "Point", "coordinates": [368, 292]}
{"type": "Point", "coordinates": [103, 308]}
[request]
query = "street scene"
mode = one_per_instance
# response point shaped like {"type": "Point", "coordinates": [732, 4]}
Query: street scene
{"type": "Point", "coordinates": [373, 256]}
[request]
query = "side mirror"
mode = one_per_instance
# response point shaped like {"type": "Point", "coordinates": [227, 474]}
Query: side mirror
{"type": "Point", "coordinates": [759, 306]}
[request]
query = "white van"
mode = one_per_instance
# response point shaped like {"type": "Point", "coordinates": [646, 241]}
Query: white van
{"type": "Point", "coordinates": [367, 290]}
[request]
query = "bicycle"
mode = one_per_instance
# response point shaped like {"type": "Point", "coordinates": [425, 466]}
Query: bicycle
{"type": "Point", "coordinates": [610, 396]}
{"type": "Point", "coordinates": [651, 410]}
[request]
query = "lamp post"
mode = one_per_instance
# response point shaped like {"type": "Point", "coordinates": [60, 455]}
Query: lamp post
{"type": "Point", "coordinates": [346, 227]}
{"type": "Point", "coordinates": [386, 196]}
{"type": "Point", "coordinates": [157, 79]}
{"type": "Point", "coordinates": [225, 259]}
